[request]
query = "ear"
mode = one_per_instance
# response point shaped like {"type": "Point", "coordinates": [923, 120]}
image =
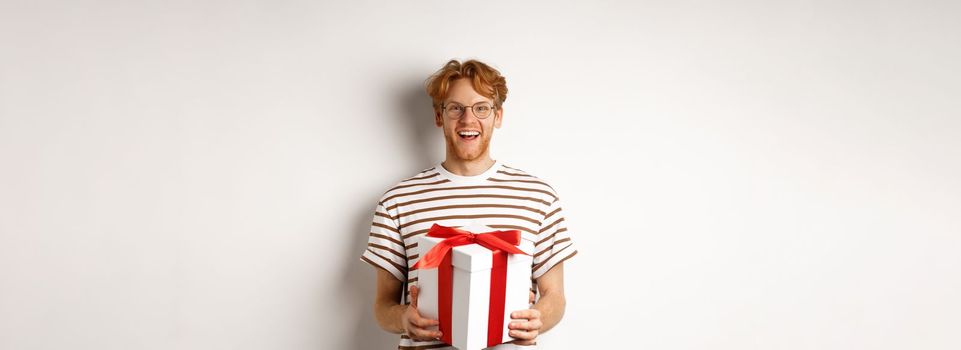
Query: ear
{"type": "Point", "coordinates": [438, 118]}
{"type": "Point", "coordinates": [498, 116]}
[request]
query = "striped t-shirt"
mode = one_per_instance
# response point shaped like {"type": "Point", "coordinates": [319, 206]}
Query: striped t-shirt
{"type": "Point", "coordinates": [502, 198]}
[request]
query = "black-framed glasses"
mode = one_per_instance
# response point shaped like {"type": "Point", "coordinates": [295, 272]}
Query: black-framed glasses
{"type": "Point", "coordinates": [456, 110]}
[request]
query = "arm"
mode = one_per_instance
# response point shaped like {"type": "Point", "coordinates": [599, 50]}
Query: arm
{"type": "Point", "coordinates": [552, 302]}
{"type": "Point", "coordinates": [546, 313]}
{"type": "Point", "coordinates": [387, 309]}
{"type": "Point", "coordinates": [398, 318]}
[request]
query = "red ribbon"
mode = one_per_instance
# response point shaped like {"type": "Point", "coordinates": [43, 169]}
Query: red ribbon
{"type": "Point", "coordinates": [500, 243]}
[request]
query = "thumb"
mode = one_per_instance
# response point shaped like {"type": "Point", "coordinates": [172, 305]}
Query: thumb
{"type": "Point", "coordinates": [413, 296]}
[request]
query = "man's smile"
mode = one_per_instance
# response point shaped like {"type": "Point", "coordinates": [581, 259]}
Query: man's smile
{"type": "Point", "coordinates": [468, 135]}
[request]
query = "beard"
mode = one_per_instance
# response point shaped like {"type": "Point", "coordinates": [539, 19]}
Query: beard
{"type": "Point", "coordinates": [469, 152]}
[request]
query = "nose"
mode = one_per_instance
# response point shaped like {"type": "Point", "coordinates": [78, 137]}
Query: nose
{"type": "Point", "coordinates": [471, 111]}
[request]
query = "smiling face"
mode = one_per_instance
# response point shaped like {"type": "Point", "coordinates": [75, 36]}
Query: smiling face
{"type": "Point", "coordinates": [468, 137]}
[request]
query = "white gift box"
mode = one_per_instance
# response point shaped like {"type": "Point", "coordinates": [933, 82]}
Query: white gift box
{"type": "Point", "coordinates": [472, 266]}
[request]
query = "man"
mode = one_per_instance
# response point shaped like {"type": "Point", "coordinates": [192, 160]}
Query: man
{"type": "Point", "coordinates": [467, 188]}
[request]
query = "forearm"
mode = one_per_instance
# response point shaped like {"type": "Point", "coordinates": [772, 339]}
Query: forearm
{"type": "Point", "coordinates": [551, 307]}
{"type": "Point", "coordinates": [389, 316]}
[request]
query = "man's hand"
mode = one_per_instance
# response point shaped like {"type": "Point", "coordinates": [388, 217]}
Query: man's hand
{"type": "Point", "coordinates": [514, 333]}
{"type": "Point", "coordinates": [526, 327]}
{"type": "Point", "coordinates": [416, 326]}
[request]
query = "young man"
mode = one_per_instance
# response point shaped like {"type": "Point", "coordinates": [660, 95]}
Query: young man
{"type": "Point", "coordinates": [467, 188]}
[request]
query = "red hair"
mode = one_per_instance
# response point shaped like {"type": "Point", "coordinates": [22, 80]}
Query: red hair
{"type": "Point", "coordinates": [487, 81]}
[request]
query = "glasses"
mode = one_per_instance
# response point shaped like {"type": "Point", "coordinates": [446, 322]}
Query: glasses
{"type": "Point", "coordinates": [481, 110]}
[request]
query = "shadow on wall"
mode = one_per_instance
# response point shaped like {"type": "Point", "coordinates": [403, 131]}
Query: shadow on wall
{"type": "Point", "coordinates": [415, 111]}
{"type": "Point", "coordinates": [425, 140]}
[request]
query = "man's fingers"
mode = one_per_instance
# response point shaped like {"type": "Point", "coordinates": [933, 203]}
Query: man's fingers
{"type": "Point", "coordinates": [423, 322]}
{"type": "Point", "coordinates": [413, 295]}
{"type": "Point", "coordinates": [527, 329]}
{"type": "Point", "coordinates": [414, 317]}
{"type": "Point", "coordinates": [526, 326]}
{"type": "Point", "coordinates": [526, 335]}
{"type": "Point", "coordinates": [417, 326]}
{"type": "Point", "coordinates": [423, 334]}
{"type": "Point", "coordinates": [528, 314]}
{"type": "Point", "coordinates": [531, 299]}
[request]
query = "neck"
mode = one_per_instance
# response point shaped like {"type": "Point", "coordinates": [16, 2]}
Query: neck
{"type": "Point", "coordinates": [468, 167]}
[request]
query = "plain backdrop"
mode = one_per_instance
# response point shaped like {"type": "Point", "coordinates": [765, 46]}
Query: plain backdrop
{"type": "Point", "coordinates": [737, 174]}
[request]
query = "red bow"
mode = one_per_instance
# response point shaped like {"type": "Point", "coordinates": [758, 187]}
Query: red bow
{"type": "Point", "coordinates": [494, 240]}
{"type": "Point", "coordinates": [500, 243]}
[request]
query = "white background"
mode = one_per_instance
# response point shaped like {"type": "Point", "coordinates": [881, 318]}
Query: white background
{"type": "Point", "coordinates": [737, 175]}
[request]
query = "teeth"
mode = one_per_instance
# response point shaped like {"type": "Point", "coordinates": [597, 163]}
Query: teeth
{"type": "Point", "coordinates": [468, 133]}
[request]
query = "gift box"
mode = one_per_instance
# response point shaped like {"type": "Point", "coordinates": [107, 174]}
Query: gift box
{"type": "Point", "coordinates": [471, 279]}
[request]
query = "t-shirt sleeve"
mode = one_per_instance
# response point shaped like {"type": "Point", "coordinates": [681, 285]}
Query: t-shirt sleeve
{"type": "Point", "coordinates": [385, 246]}
{"type": "Point", "coordinates": [554, 243]}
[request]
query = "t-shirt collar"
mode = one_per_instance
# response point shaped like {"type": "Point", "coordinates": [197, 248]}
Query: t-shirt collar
{"type": "Point", "coordinates": [469, 179]}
